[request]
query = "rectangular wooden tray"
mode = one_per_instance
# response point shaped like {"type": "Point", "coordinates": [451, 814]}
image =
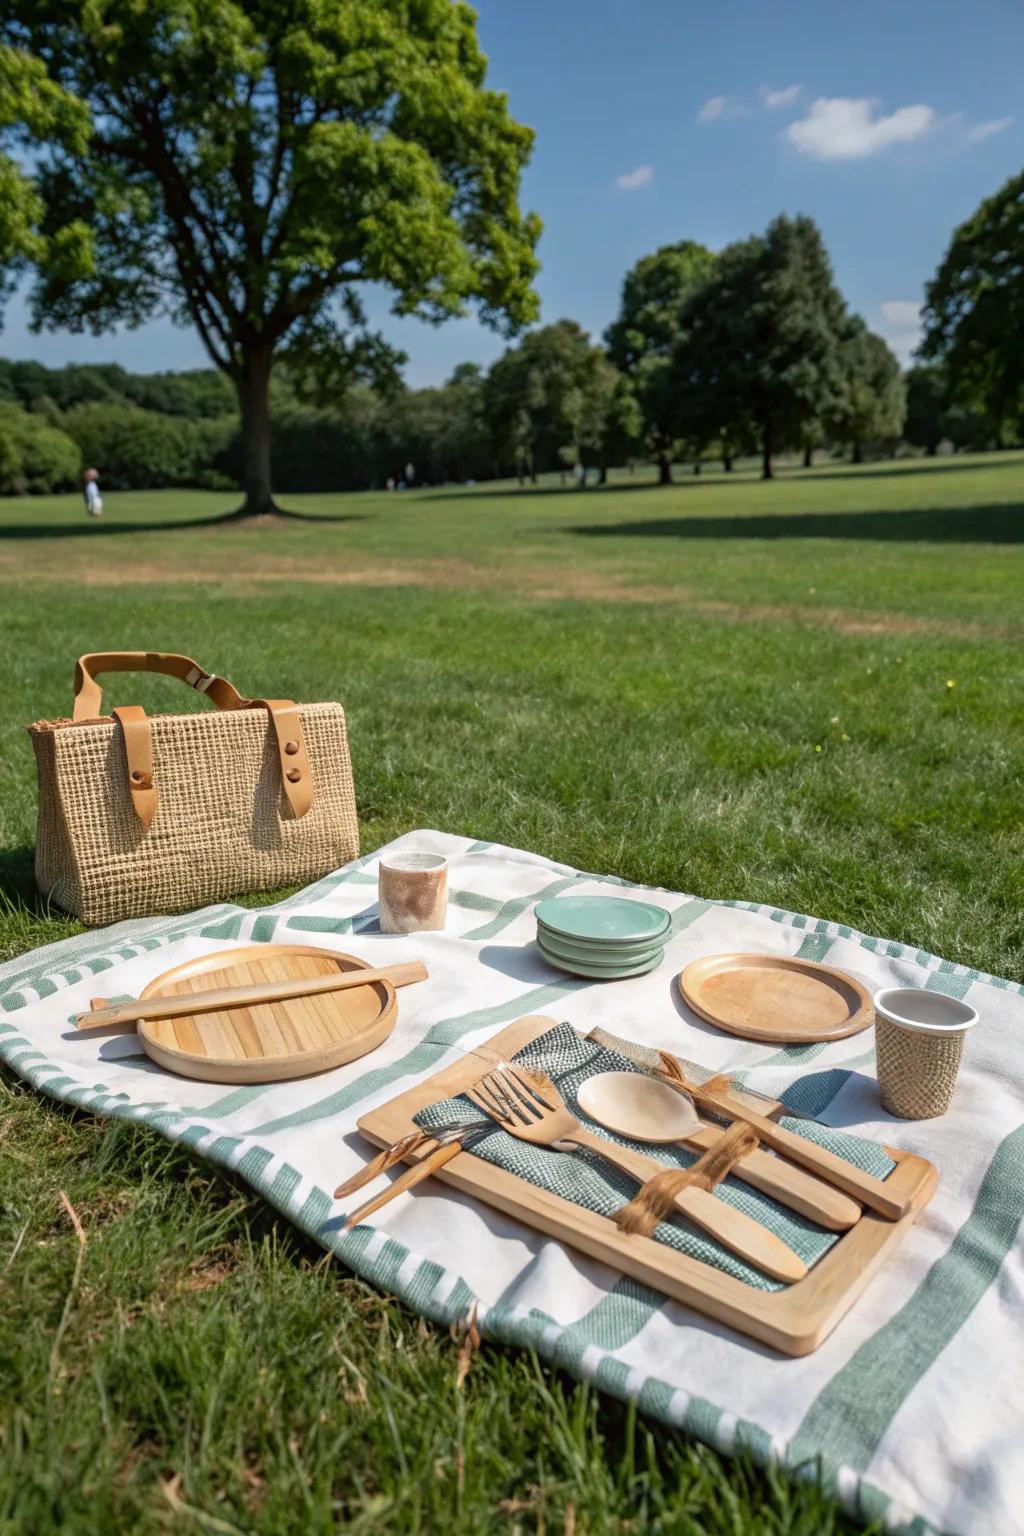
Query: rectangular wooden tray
{"type": "Point", "coordinates": [794, 1321]}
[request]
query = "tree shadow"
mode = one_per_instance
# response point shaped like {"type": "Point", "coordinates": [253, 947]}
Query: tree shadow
{"type": "Point", "coordinates": [1002, 523]}
{"type": "Point", "coordinates": [513, 492]}
{"type": "Point", "coordinates": [899, 468]}
{"type": "Point", "coordinates": [743, 473]}
{"type": "Point", "coordinates": [96, 528]}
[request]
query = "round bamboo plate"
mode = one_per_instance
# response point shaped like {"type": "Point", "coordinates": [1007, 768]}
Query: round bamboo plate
{"type": "Point", "coordinates": [776, 998]}
{"type": "Point", "coordinates": [268, 1042]}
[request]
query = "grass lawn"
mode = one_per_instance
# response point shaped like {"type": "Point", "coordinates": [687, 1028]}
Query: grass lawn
{"type": "Point", "coordinates": [807, 693]}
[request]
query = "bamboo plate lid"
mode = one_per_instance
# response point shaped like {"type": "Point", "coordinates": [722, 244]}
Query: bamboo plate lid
{"type": "Point", "coordinates": [268, 1042]}
{"type": "Point", "coordinates": [776, 998]}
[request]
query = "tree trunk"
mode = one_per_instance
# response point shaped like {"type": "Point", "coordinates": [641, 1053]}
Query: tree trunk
{"type": "Point", "coordinates": [696, 466]}
{"type": "Point", "coordinates": [602, 475]}
{"type": "Point", "coordinates": [767, 473]}
{"type": "Point", "coordinates": [808, 458]}
{"type": "Point", "coordinates": [254, 404]}
{"type": "Point", "coordinates": [664, 470]}
{"type": "Point", "coordinates": [727, 463]}
{"type": "Point", "coordinates": [932, 450]}
{"type": "Point", "coordinates": [858, 453]}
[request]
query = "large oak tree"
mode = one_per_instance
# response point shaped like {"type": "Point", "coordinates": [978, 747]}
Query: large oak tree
{"type": "Point", "coordinates": [252, 164]}
{"type": "Point", "coordinates": [641, 340]}
{"type": "Point", "coordinates": [974, 309]}
{"type": "Point", "coordinates": [760, 343]}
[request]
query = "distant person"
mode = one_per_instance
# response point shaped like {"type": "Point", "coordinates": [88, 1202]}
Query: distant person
{"type": "Point", "coordinates": [91, 491]}
{"type": "Point", "coordinates": [410, 473]}
{"type": "Point", "coordinates": [391, 482]}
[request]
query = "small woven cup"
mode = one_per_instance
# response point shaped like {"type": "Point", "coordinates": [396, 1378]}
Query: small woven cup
{"type": "Point", "coordinates": [919, 1041]}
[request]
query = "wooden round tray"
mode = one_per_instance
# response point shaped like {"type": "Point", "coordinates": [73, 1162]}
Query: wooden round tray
{"type": "Point", "coordinates": [776, 998]}
{"type": "Point", "coordinates": [268, 1042]}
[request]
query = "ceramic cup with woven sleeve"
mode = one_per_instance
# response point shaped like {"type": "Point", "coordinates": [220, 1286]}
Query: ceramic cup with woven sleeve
{"type": "Point", "coordinates": [412, 892]}
{"type": "Point", "coordinates": [919, 1042]}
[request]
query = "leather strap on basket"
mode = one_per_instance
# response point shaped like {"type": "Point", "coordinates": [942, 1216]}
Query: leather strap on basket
{"type": "Point", "coordinates": [89, 694]}
{"type": "Point", "coordinates": [296, 775]}
{"type": "Point", "coordinates": [138, 751]}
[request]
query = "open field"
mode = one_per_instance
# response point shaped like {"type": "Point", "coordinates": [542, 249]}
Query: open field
{"type": "Point", "coordinates": [809, 693]}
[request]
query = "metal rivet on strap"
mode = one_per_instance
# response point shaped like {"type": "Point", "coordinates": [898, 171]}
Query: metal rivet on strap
{"type": "Point", "coordinates": [294, 775]}
{"type": "Point", "coordinates": [137, 776]}
{"type": "Point", "coordinates": [291, 747]}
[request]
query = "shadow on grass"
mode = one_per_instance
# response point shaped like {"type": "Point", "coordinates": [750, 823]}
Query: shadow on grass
{"type": "Point", "coordinates": [533, 491]}
{"type": "Point", "coordinates": [92, 528]}
{"type": "Point", "coordinates": [18, 880]}
{"type": "Point", "coordinates": [900, 468]}
{"type": "Point", "coordinates": [714, 475]}
{"type": "Point", "coordinates": [1002, 523]}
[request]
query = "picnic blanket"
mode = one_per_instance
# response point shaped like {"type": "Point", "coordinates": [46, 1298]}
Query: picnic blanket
{"type": "Point", "coordinates": [913, 1410]}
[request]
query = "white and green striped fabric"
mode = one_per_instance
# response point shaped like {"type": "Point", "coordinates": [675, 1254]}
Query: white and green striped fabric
{"type": "Point", "coordinates": [912, 1411]}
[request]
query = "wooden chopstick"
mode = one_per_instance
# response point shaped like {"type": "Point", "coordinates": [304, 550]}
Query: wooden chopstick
{"type": "Point", "coordinates": [124, 1016]}
{"type": "Point", "coordinates": [791, 1186]}
{"type": "Point", "coordinates": [409, 1179]}
{"type": "Point", "coordinates": [396, 1153]}
{"type": "Point", "coordinates": [846, 1176]}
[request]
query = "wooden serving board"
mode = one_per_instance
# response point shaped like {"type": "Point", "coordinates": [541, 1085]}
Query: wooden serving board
{"type": "Point", "coordinates": [268, 1042]}
{"type": "Point", "coordinates": [794, 1321]}
{"type": "Point", "coordinates": [776, 998]}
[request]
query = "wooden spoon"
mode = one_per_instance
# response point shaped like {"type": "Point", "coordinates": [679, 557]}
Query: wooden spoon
{"type": "Point", "coordinates": [646, 1110]}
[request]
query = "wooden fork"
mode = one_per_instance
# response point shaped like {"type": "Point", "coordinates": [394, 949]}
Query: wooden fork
{"type": "Point", "coordinates": [528, 1106]}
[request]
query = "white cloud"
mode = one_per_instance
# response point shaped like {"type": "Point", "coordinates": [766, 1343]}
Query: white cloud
{"type": "Point", "coordinates": [632, 181]}
{"type": "Point", "coordinates": [722, 106]}
{"type": "Point", "coordinates": [986, 130]}
{"type": "Point", "coordinates": [901, 314]}
{"type": "Point", "coordinates": [901, 327]}
{"type": "Point", "coordinates": [714, 107]}
{"type": "Point", "coordinates": [783, 98]}
{"type": "Point", "coordinates": [844, 128]}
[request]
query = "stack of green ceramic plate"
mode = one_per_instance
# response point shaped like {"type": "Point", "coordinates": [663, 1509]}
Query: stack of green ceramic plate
{"type": "Point", "coordinates": [603, 937]}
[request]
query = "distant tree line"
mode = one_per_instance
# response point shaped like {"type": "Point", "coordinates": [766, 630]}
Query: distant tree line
{"type": "Point", "coordinates": [712, 355]}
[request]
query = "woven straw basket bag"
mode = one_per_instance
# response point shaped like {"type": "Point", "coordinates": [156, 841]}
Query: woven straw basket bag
{"type": "Point", "coordinates": [140, 815]}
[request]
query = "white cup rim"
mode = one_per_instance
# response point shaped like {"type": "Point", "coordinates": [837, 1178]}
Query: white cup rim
{"type": "Point", "coordinates": [413, 862]}
{"type": "Point", "coordinates": [891, 1001]}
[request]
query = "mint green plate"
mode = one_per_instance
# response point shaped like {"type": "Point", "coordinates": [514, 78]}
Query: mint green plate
{"type": "Point", "coordinates": [601, 973]}
{"type": "Point", "coordinates": [608, 918]}
{"type": "Point", "coordinates": [597, 954]}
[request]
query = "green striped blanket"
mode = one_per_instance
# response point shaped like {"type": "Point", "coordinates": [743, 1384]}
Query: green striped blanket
{"type": "Point", "coordinates": [911, 1411]}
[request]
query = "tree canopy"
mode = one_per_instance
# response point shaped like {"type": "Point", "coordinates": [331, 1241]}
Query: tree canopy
{"type": "Point", "coordinates": [641, 340]}
{"type": "Point", "coordinates": [759, 342]}
{"type": "Point", "coordinates": [553, 400]}
{"type": "Point", "coordinates": [974, 307]}
{"type": "Point", "coordinates": [250, 167]}
{"type": "Point", "coordinates": [35, 110]}
{"type": "Point", "coordinates": [871, 403]}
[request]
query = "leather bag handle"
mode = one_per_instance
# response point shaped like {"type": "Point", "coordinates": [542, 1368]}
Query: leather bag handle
{"type": "Point", "coordinates": [296, 775]}
{"type": "Point", "coordinates": [89, 695]}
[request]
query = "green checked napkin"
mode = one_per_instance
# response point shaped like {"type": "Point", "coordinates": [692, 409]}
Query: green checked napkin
{"type": "Point", "coordinates": [589, 1181]}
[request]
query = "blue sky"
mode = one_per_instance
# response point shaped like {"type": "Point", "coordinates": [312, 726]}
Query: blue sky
{"type": "Point", "coordinates": [886, 120]}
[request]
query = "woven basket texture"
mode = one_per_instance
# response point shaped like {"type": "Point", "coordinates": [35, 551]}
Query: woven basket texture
{"type": "Point", "coordinates": [223, 826]}
{"type": "Point", "coordinates": [916, 1072]}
